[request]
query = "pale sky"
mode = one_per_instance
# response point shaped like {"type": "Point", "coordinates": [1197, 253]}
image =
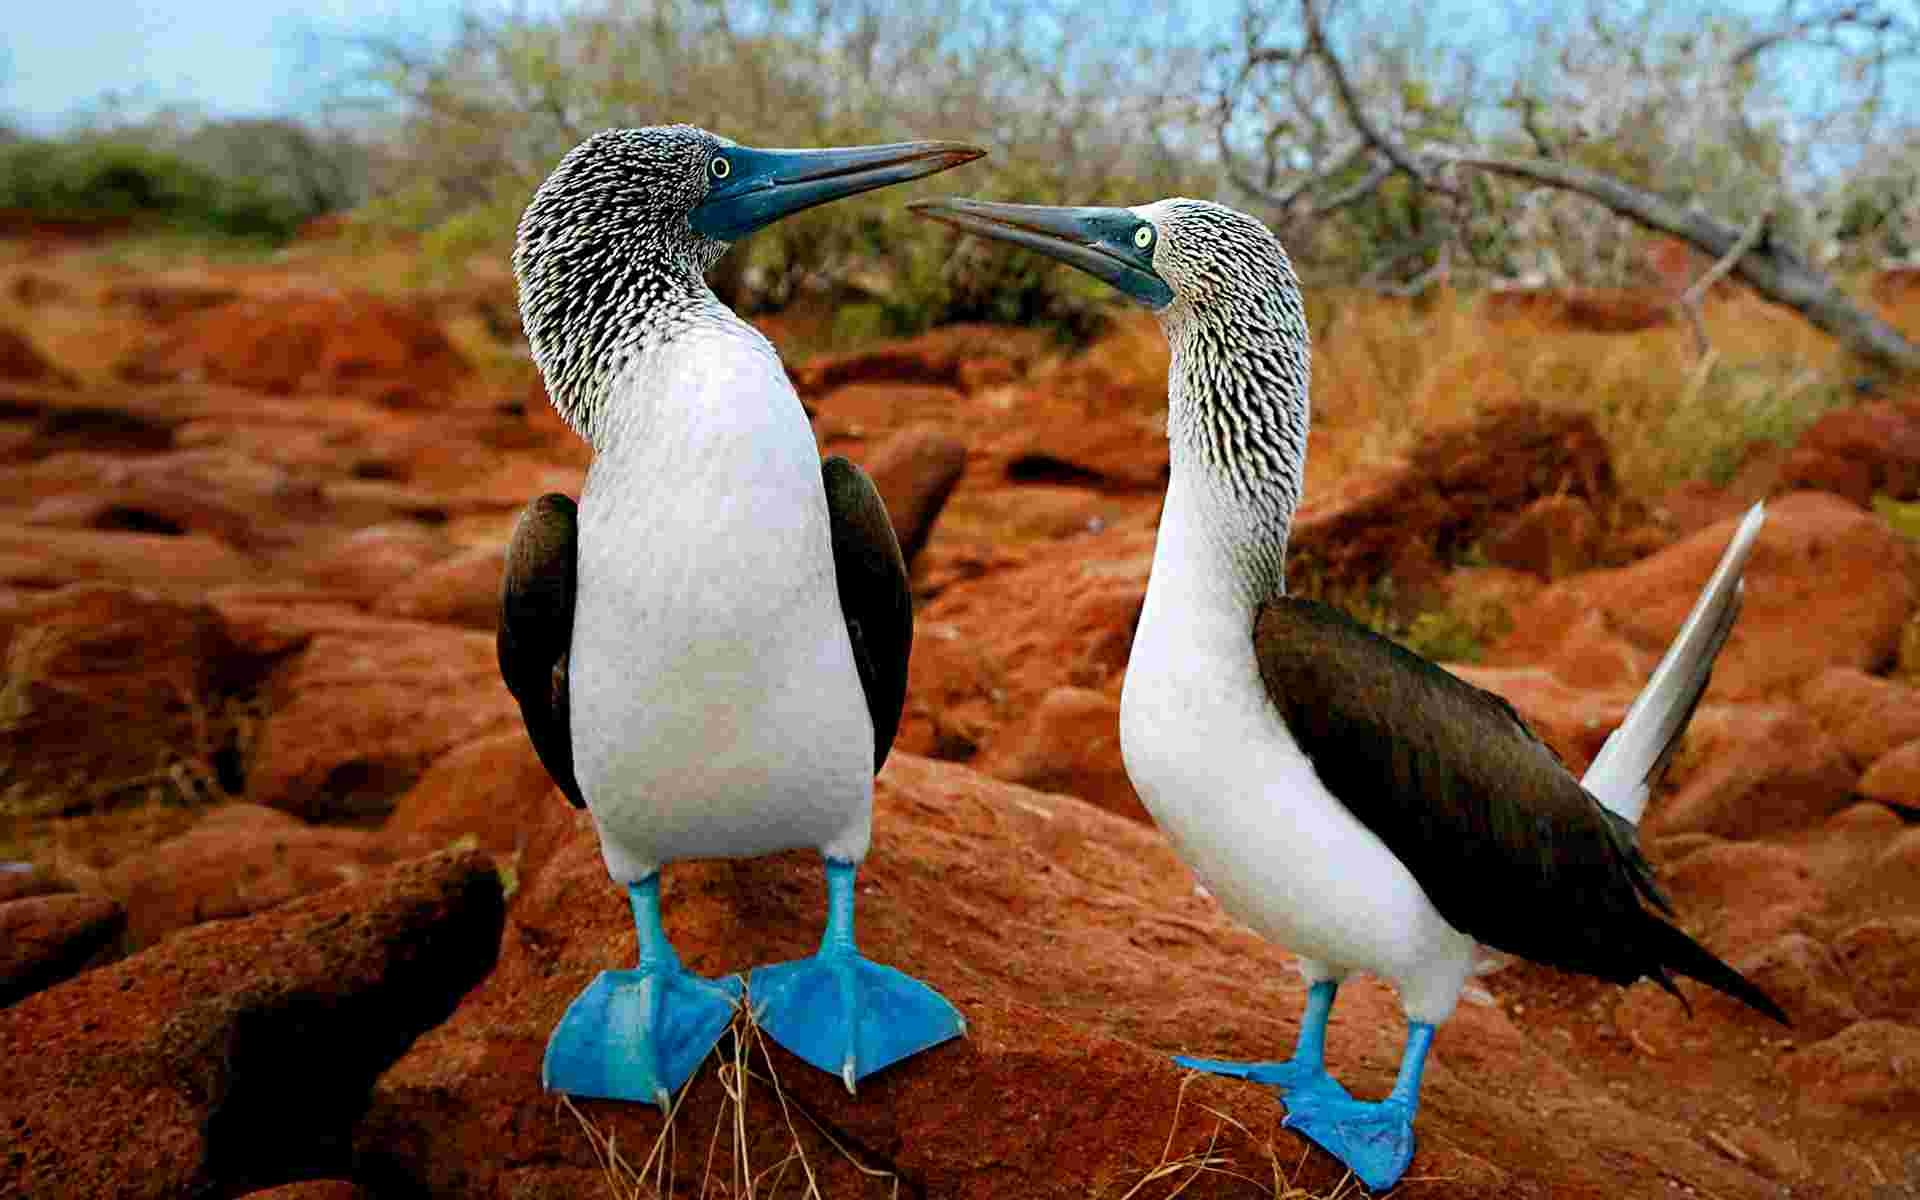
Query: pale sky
{"type": "Point", "coordinates": [250, 58]}
{"type": "Point", "coordinates": [263, 57]}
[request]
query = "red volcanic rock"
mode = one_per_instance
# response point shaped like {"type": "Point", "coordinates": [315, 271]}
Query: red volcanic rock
{"type": "Point", "coordinates": [1451, 490]}
{"type": "Point", "coordinates": [1608, 310]}
{"type": "Point", "coordinates": [322, 341]}
{"type": "Point", "coordinates": [237, 1055]}
{"type": "Point", "coordinates": [1553, 536]}
{"type": "Point", "coordinates": [1739, 896]}
{"type": "Point", "coordinates": [495, 791]}
{"type": "Point", "coordinates": [1817, 553]}
{"type": "Point", "coordinates": [312, 1189]}
{"type": "Point", "coordinates": [162, 301]}
{"type": "Point", "coordinates": [461, 589]}
{"type": "Point", "coordinates": [110, 691]}
{"type": "Point", "coordinates": [239, 860]}
{"type": "Point", "coordinates": [374, 561]}
{"type": "Point", "coordinates": [940, 357]}
{"type": "Point", "coordinates": [1692, 505]}
{"type": "Point", "coordinates": [1895, 877]}
{"type": "Point", "coordinates": [1587, 310]}
{"type": "Point", "coordinates": [1081, 955]}
{"type": "Point", "coordinates": [357, 716]}
{"type": "Point", "coordinates": [1894, 778]}
{"type": "Point", "coordinates": [184, 565]}
{"type": "Point", "coordinates": [1061, 443]}
{"type": "Point", "coordinates": [1893, 284]}
{"type": "Point", "coordinates": [20, 362]}
{"type": "Point", "coordinates": [1124, 371]}
{"type": "Point", "coordinates": [860, 410]}
{"type": "Point", "coordinates": [253, 506]}
{"type": "Point", "coordinates": [1872, 1066]}
{"type": "Point", "coordinates": [19, 880]}
{"type": "Point", "coordinates": [1881, 958]}
{"type": "Point", "coordinates": [1870, 717]}
{"type": "Point", "coordinates": [1071, 744]}
{"type": "Point", "coordinates": [915, 471]}
{"type": "Point", "coordinates": [986, 651]}
{"type": "Point", "coordinates": [44, 939]}
{"type": "Point", "coordinates": [1796, 971]}
{"type": "Point", "coordinates": [1752, 770]}
{"type": "Point", "coordinates": [1857, 451]}
{"type": "Point", "coordinates": [31, 289]}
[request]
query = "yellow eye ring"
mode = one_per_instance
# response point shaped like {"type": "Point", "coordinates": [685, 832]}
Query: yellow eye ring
{"type": "Point", "coordinates": [1143, 236]}
{"type": "Point", "coordinates": [720, 167]}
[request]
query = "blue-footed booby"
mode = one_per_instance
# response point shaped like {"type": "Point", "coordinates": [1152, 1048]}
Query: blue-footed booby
{"type": "Point", "coordinates": [1342, 796]}
{"type": "Point", "coordinates": [710, 649]}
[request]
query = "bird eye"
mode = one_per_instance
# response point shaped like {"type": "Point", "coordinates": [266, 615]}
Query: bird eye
{"type": "Point", "coordinates": [1143, 236]}
{"type": "Point", "coordinates": [720, 167]}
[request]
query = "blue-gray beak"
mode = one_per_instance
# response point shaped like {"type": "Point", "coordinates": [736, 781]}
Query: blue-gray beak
{"type": "Point", "coordinates": [759, 187]}
{"type": "Point", "coordinates": [1104, 242]}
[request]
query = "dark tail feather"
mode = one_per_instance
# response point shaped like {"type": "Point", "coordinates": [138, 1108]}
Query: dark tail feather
{"type": "Point", "coordinates": [1678, 952]}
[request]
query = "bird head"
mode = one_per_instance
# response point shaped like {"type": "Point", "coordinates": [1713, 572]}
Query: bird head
{"type": "Point", "coordinates": [1178, 257]}
{"type": "Point", "coordinates": [631, 219]}
{"type": "Point", "coordinates": [1226, 296]}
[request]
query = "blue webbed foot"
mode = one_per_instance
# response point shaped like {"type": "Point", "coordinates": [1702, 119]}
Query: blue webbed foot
{"type": "Point", "coordinates": [1293, 1077]}
{"type": "Point", "coordinates": [1374, 1139]}
{"type": "Point", "coordinates": [638, 1035]}
{"type": "Point", "coordinates": [848, 1015]}
{"type": "Point", "coordinates": [843, 1012]}
{"type": "Point", "coordinates": [1305, 1071]}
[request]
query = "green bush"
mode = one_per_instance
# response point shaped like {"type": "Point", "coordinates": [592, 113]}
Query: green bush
{"type": "Point", "coordinates": [107, 177]}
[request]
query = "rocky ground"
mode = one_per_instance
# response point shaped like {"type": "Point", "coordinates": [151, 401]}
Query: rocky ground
{"type": "Point", "coordinates": [287, 907]}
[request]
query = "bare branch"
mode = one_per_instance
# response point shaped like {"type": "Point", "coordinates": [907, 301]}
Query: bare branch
{"type": "Point", "coordinates": [1530, 122]}
{"type": "Point", "coordinates": [1769, 267]}
{"type": "Point", "coordinates": [1867, 17]}
{"type": "Point", "coordinates": [1689, 301]}
{"type": "Point", "coordinates": [1359, 190]}
{"type": "Point", "coordinates": [1350, 102]}
{"type": "Point", "coordinates": [1718, 271]}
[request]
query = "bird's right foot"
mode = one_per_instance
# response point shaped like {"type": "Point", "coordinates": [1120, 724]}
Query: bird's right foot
{"type": "Point", "coordinates": [638, 1035]}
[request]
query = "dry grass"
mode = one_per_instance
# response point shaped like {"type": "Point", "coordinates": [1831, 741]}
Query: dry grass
{"type": "Point", "coordinates": [1386, 369]}
{"type": "Point", "coordinates": [737, 1172]}
{"type": "Point", "coordinates": [1269, 1176]}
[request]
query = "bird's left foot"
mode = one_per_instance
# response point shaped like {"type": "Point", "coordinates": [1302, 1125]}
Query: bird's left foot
{"type": "Point", "coordinates": [1373, 1138]}
{"type": "Point", "coordinates": [848, 1015]}
{"type": "Point", "coordinates": [1289, 1078]}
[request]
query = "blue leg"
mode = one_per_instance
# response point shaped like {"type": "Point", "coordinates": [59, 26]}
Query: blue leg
{"type": "Point", "coordinates": [843, 1013]}
{"type": "Point", "coordinates": [639, 1034]}
{"type": "Point", "coordinates": [1306, 1071]}
{"type": "Point", "coordinates": [1374, 1139]}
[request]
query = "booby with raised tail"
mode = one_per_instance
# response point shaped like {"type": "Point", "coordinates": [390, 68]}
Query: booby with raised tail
{"type": "Point", "coordinates": [710, 650]}
{"type": "Point", "coordinates": [1342, 796]}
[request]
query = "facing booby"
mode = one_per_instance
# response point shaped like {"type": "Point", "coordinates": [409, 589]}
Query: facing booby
{"type": "Point", "coordinates": [710, 650]}
{"type": "Point", "coordinates": [1342, 796]}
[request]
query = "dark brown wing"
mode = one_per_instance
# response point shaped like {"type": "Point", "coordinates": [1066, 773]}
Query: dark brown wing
{"type": "Point", "coordinates": [874, 595]}
{"type": "Point", "coordinates": [1508, 845]}
{"type": "Point", "coordinates": [536, 629]}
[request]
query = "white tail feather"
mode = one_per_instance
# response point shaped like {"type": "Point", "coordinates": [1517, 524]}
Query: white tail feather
{"type": "Point", "coordinates": [1623, 773]}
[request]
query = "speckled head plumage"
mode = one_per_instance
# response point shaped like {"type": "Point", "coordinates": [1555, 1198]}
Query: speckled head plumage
{"type": "Point", "coordinates": [1225, 292]}
{"type": "Point", "coordinates": [612, 250]}
{"type": "Point", "coordinates": [606, 249]}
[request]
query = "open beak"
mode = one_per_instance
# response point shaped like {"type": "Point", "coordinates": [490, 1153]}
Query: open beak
{"type": "Point", "coordinates": [764, 185]}
{"type": "Point", "coordinates": [1099, 241]}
